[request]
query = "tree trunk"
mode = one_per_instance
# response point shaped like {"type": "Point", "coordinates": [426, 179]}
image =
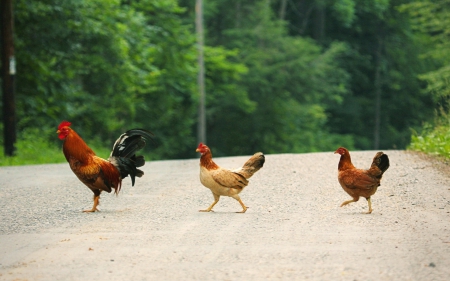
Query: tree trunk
{"type": "Point", "coordinates": [238, 14]}
{"type": "Point", "coordinates": [282, 12]}
{"type": "Point", "coordinates": [201, 133]}
{"type": "Point", "coordinates": [378, 85]}
{"type": "Point", "coordinates": [319, 21]}
{"type": "Point", "coordinates": [8, 73]}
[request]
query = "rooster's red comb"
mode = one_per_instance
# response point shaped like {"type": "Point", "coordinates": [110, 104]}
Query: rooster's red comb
{"type": "Point", "coordinates": [64, 124]}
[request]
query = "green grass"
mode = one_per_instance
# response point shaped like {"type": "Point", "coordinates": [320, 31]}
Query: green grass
{"type": "Point", "coordinates": [433, 140]}
{"type": "Point", "coordinates": [35, 147]}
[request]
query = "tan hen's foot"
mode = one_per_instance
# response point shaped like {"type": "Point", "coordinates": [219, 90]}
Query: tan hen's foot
{"type": "Point", "coordinates": [91, 210]}
{"type": "Point", "coordinates": [243, 210]}
{"type": "Point", "coordinates": [206, 210]}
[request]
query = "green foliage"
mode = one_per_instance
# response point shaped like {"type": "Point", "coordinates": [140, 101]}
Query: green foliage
{"type": "Point", "coordinates": [107, 66]}
{"type": "Point", "coordinates": [82, 58]}
{"type": "Point", "coordinates": [433, 139]}
{"type": "Point", "coordinates": [305, 83]}
{"type": "Point", "coordinates": [431, 19]}
{"type": "Point", "coordinates": [431, 22]}
{"type": "Point", "coordinates": [34, 146]}
{"type": "Point", "coordinates": [290, 83]}
{"type": "Point", "coordinates": [344, 10]}
{"type": "Point", "coordinates": [381, 43]}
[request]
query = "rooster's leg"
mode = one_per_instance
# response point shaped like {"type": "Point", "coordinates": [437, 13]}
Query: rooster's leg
{"type": "Point", "coordinates": [244, 208]}
{"type": "Point", "coordinates": [370, 206]}
{"type": "Point", "coordinates": [96, 203]}
{"type": "Point", "coordinates": [216, 199]}
{"type": "Point", "coordinates": [348, 202]}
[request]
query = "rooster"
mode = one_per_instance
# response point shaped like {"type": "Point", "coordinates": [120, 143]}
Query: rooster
{"type": "Point", "coordinates": [223, 182]}
{"type": "Point", "coordinates": [357, 182]}
{"type": "Point", "coordinates": [97, 173]}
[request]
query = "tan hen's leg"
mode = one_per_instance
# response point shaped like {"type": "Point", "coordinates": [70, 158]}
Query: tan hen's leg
{"type": "Point", "coordinates": [244, 208]}
{"type": "Point", "coordinates": [94, 208]}
{"type": "Point", "coordinates": [216, 199]}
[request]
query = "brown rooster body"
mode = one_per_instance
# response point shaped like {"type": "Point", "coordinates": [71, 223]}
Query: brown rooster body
{"type": "Point", "coordinates": [97, 173]}
{"type": "Point", "coordinates": [358, 182]}
{"type": "Point", "coordinates": [224, 182]}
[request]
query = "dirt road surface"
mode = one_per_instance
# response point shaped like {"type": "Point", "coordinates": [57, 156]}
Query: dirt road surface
{"type": "Point", "coordinates": [293, 230]}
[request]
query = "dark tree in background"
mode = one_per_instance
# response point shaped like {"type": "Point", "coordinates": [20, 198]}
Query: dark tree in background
{"type": "Point", "coordinates": [7, 74]}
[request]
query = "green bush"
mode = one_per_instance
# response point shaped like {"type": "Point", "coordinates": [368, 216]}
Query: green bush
{"type": "Point", "coordinates": [35, 146]}
{"type": "Point", "coordinates": [432, 140]}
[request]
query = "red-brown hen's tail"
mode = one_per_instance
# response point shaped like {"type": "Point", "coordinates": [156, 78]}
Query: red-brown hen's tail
{"type": "Point", "coordinates": [380, 164]}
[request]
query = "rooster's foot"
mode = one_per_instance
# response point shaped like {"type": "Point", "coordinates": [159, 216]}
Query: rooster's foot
{"type": "Point", "coordinates": [96, 203]}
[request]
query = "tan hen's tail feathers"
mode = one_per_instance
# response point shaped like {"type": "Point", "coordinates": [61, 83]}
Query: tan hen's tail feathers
{"type": "Point", "coordinates": [252, 165]}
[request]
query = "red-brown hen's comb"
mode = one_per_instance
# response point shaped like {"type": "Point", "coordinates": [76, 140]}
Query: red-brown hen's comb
{"type": "Point", "coordinates": [64, 124]}
{"type": "Point", "coordinates": [200, 145]}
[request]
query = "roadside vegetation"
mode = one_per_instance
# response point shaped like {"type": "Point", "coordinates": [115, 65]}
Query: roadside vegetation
{"type": "Point", "coordinates": [431, 22]}
{"type": "Point", "coordinates": [433, 139]}
{"type": "Point", "coordinates": [35, 147]}
{"type": "Point", "coordinates": [281, 76]}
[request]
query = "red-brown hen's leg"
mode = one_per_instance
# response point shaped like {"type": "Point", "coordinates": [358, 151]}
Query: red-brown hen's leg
{"type": "Point", "coordinates": [370, 206]}
{"type": "Point", "coordinates": [348, 202]}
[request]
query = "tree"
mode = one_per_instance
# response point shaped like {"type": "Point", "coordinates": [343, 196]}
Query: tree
{"type": "Point", "coordinates": [431, 21]}
{"type": "Point", "coordinates": [7, 76]}
{"type": "Point", "coordinates": [290, 82]}
{"type": "Point", "coordinates": [382, 61]}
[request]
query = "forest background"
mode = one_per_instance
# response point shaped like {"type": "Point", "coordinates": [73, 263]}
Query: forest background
{"type": "Point", "coordinates": [282, 76]}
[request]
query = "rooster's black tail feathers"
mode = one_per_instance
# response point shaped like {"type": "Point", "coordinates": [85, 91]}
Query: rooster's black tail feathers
{"type": "Point", "coordinates": [123, 154]}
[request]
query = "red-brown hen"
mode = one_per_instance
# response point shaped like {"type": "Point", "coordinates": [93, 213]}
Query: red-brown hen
{"type": "Point", "coordinates": [358, 182]}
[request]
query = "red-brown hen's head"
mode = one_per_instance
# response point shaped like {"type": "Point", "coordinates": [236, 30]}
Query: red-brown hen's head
{"type": "Point", "coordinates": [341, 150]}
{"type": "Point", "coordinates": [63, 129]}
{"type": "Point", "coordinates": [202, 148]}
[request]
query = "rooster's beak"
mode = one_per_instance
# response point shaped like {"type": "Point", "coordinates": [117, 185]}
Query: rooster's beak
{"type": "Point", "coordinates": [58, 131]}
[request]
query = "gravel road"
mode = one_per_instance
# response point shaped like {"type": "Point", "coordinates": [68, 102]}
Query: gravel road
{"type": "Point", "coordinates": [293, 230]}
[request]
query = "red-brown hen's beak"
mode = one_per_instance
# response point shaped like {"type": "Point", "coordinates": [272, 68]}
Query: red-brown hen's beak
{"type": "Point", "coordinates": [58, 131]}
{"type": "Point", "coordinates": [197, 150]}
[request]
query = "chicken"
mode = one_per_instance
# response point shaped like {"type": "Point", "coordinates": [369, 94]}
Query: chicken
{"type": "Point", "coordinates": [223, 182]}
{"type": "Point", "coordinates": [97, 173]}
{"type": "Point", "coordinates": [358, 182]}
